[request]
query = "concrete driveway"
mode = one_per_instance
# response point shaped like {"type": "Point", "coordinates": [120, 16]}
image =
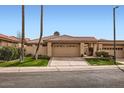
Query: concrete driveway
{"type": "Point", "coordinates": [120, 60]}
{"type": "Point", "coordinates": [67, 61]}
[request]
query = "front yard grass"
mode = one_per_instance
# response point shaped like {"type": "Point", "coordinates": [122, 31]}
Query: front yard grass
{"type": "Point", "coordinates": [100, 61]}
{"type": "Point", "coordinates": [28, 62]}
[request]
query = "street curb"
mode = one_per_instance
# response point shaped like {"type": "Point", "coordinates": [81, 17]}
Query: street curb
{"type": "Point", "coordinates": [48, 69]}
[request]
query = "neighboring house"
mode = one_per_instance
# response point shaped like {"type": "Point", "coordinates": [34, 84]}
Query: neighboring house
{"type": "Point", "coordinates": [70, 46]}
{"type": "Point", "coordinates": [9, 41]}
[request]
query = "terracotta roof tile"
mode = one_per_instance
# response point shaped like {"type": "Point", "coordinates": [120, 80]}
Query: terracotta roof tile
{"type": "Point", "coordinates": [63, 38]}
{"type": "Point", "coordinates": [72, 38]}
{"type": "Point", "coordinates": [35, 41]}
{"type": "Point", "coordinates": [9, 38]}
{"type": "Point", "coordinates": [12, 38]}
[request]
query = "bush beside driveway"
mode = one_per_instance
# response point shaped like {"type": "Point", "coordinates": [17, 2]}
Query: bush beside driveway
{"type": "Point", "coordinates": [101, 61]}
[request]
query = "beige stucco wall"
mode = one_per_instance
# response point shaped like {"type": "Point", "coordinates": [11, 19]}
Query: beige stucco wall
{"type": "Point", "coordinates": [49, 49]}
{"type": "Point", "coordinates": [6, 43]}
{"type": "Point", "coordinates": [99, 47]}
{"type": "Point", "coordinates": [31, 50]}
{"type": "Point", "coordinates": [3, 43]}
{"type": "Point", "coordinates": [94, 49]}
{"type": "Point", "coordinates": [82, 48]}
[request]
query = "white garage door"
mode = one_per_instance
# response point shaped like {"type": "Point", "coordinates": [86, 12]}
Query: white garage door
{"type": "Point", "coordinates": [66, 50]}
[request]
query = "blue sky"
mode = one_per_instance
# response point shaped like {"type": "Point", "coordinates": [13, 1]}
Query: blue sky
{"type": "Point", "coordinates": [72, 20]}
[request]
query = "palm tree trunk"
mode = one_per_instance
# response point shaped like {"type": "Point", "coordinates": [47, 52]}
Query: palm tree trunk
{"type": "Point", "coordinates": [41, 33]}
{"type": "Point", "coordinates": [23, 35]}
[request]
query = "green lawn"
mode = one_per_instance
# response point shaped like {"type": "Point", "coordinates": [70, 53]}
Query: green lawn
{"type": "Point", "coordinates": [28, 62]}
{"type": "Point", "coordinates": [100, 61]}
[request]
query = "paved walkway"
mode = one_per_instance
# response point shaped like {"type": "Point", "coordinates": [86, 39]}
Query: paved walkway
{"type": "Point", "coordinates": [67, 61]}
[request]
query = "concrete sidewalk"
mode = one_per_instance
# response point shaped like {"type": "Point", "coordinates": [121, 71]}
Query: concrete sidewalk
{"type": "Point", "coordinates": [44, 69]}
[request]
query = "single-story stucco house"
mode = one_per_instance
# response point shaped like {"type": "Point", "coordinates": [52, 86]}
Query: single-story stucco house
{"type": "Point", "coordinates": [65, 45]}
{"type": "Point", "coordinates": [9, 41]}
{"type": "Point", "coordinates": [71, 46]}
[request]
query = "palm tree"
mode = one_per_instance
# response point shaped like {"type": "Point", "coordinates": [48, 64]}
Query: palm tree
{"type": "Point", "coordinates": [23, 35]}
{"type": "Point", "coordinates": [41, 33]}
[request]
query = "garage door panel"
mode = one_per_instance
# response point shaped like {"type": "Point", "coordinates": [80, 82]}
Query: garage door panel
{"type": "Point", "coordinates": [119, 53]}
{"type": "Point", "coordinates": [66, 50]}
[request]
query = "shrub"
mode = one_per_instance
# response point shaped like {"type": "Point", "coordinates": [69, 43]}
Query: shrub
{"type": "Point", "coordinates": [102, 54]}
{"type": "Point", "coordinates": [15, 53]}
{"type": "Point", "coordinates": [43, 57]}
{"type": "Point", "coordinates": [19, 51]}
{"type": "Point", "coordinates": [98, 54]}
{"type": "Point", "coordinates": [8, 53]}
{"type": "Point", "coordinates": [105, 54]}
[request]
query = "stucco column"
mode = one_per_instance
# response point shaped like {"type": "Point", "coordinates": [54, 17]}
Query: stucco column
{"type": "Point", "coordinates": [91, 45]}
{"type": "Point", "coordinates": [81, 48]}
{"type": "Point", "coordinates": [94, 49]}
{"type": "Point", "coordinates": [100, 47]}
{"type": "Point", "coordinates": [49, 49]}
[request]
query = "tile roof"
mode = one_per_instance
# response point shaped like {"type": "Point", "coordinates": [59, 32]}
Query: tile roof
{"type": "Point", "coordinates": [9, 38]}
{"type": "Point", "coordinates": [72, 38]}
{"type": "Point", "coordinates": [105, 40]}
{"type": "Point", "coordinates": [12, 38]}
{"type": "Point", "coordinates": [63, 38]}
{"type": "Point", "coordinates": [35, 41]}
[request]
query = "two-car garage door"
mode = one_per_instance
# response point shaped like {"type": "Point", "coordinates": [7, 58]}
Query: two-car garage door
{"type": "Point", "coordinates": [66, 50]}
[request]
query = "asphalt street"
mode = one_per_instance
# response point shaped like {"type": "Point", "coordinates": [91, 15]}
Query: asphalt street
{"type": "Point", "coordinates": [113, 78]}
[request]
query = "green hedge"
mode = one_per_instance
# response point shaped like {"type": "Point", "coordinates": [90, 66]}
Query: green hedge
{"type": "Point", "coordinates": [9, 53]}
